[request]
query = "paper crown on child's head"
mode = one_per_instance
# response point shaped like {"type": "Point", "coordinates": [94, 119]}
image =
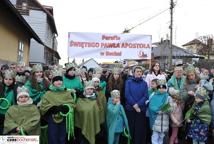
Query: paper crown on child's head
{"type": "Point", "coordinates": [57, 72]}
{"type": "Point", "coordinates": [116, 70]}
{"type": "Point", "coordinates": [20, 79]}
{"type": "Point", "coordinates": [77, 71]}
{"type": "Point", "coordinates": [115, 93]}
{"type": "Point", "coordinates": [190, 69]}
{"type": "Point", "coordinates": [201, 93]}
{"type": "Point", "coordinates": [95, 79]}
{"type": "Point", "coordinates": [178, 68]}
{"type": "Point", "coordinates": [9, 74]}
{"type": "Point", "coordinates": [21, 64]}
{"type": "Point", "coordinates": [37, 67]}
{"type": "Point", "coordinates": [22, 91]}
{"type": "Point", "coordinates": [89, 84]}
{"type": "Point", "coordinates": [70, 65]}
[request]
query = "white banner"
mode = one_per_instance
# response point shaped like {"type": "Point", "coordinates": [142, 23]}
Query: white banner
{"type": "Point", "coordinates": [109, 46]}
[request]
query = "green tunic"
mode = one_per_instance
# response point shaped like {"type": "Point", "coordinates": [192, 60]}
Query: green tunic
{"type": "Point", "coordinates": [23, 116]}
{"type": "Point", "coordinates": [34, 93]}
{"type": "Point", "coordinates": [10, 98]}
{"type": "Point", "coordinates": [89, 115]}
{"type": "Point", "coordinates": [73, 83]}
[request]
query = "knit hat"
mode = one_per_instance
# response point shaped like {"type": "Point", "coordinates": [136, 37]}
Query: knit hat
{"type": "Point", "coordinates": [37, 67]}
{"type": "Point", "coordinates": [23, 91]}
{"type": "Point", "coordinates": [89, 84]}
{"type": "Point", "coordinates": [9, 74]}
{"type": "Point", "coordinates": [115, 93]}
{"type": "Point", "coordinates": [201, 93]}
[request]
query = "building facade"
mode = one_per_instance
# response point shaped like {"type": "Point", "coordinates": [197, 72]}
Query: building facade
{"type": "Point", "coordinates": [41, 19]}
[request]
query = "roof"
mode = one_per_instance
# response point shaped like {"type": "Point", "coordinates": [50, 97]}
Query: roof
{"type": "Point", "coordinates": [54, 52]}
{"type": "Point", "coordinates": [47, 10]}
{"type": "Point", "coordinates": [15, 12]}
{"type": "Point", "coordinates": [162, 49]}
{"type": "Point", "coordinates": [91, 59]}
{"type": "Point", "coordinates": [193, 42]}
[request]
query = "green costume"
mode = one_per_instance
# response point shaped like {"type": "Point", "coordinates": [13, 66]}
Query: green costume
{"type": "Point", "coordinates": [103, 86]}
{"type": "Point", "coordinates": [26, 117]}
{"type": "Point", "coordinates": [89, 116]}
{"type": "Point", "coordinates": [57, 97]}
{"type": "Point", "coordinates": [35, 94]}
{"type": "Point", "coordinates": [7, 101]}
{"type": "Point", "coordinates": [74, 83]}
{"type": "Point", "coordinates": [204, 114]}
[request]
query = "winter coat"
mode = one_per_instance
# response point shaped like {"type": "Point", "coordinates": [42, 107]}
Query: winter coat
{"type": "Point", "coordinates": [136, 92]}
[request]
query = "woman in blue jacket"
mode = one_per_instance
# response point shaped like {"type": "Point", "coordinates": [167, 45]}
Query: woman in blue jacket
{"type": "Point", "coordinates": [136, 94]}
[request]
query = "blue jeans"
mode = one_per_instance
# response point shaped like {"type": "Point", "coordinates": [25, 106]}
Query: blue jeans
{"type": "Point", "coordinates": [157, 137]}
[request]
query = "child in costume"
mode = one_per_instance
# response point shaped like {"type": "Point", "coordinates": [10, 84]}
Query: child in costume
{"type": "Point", "coordinates": [57, 110]}
{"type": "Point", "coordinates": [159, 108]}
{"type": "Point", "coordinates": [116, 118]}
{"type": "Point", "coordinates": [89, 114]}
{"type": "Point", "coordinates": [7, 95]}
{"type": "Point", "coordinates": [23, 118]}
{"type": "Point", "coordinates": [38, 84]}
{"type": "Point", "coordinates": [199, 117]}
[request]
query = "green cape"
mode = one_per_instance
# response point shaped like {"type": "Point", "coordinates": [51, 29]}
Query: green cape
{"type": "Point", "coordinates": [25, 116]}
{"type": "Point", "coordinates": [51, 99]}
{"type": "Point", "coordinates": [10, 98]}
{"type": "Point", "coordinates": [89, 115]}
{"type": "Point", "coordinates": [35, 94]}
{"type": "Point", "coordinates": [73, 83]}
{"type": "Point", "coordinates": [204, 113]}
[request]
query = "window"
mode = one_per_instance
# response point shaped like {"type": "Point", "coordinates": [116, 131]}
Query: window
{"type": "Point", "coordinates": [20, 52]}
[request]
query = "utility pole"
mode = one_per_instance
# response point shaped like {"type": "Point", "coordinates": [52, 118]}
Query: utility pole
{"type": "Point", "coordinates": [171, 32]}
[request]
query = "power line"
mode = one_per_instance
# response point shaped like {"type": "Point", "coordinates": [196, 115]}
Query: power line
{"type": "Point", "coordinates": [128, 30]}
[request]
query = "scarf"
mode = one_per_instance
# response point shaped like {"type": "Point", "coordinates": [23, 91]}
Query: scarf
{"type": "Point", "coordinates": [56, 89]}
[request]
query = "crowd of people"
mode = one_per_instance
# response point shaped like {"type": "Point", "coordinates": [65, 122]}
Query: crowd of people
{"type": "Point", "coordinates": [116, 106]}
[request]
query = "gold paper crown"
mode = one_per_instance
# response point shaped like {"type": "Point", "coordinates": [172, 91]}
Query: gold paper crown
{"type": "Point", "coordinates": [161, 82]}
{"type": "Point", "coordinates": [9, 74]}
{"type": "Point", "coordinates": [20, 79]}
{"type": "Point", "coordinates": [89, 84]}
{"type": "Point", "coordinates": [57, 72]}
{"type": "Point", "coordinates": [190, 69]}
{"type": "Point", "coordinates": [37, 67]}
{"type": "Point", "coordinates": [116, 70]}
{"type": "Point", "coordinates": [201, 92]}
{"type": "Point", "coordinates": [70, 65]}
{"type": "Point", "coordinates": [115, 93]}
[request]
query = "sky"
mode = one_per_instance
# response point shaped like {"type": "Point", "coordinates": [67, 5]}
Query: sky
{"type": "Point", "coordinates": [191, 19]}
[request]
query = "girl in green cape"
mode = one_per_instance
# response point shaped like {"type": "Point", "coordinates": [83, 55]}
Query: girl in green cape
{"type": "Point", "coordinates": [116, 118]}
{"type": "Point", "coordinates": [7, 97]}
{"type": "Point", "coordinates": [23, 118]}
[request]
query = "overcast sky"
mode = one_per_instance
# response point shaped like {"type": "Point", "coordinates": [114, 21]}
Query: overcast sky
{"type": "Point", "coordinates": [192, 18]}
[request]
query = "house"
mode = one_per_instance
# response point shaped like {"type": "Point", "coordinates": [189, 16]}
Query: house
{"type": "Point", "coordinates": [41, 19]}
{"type": "Point", "coordinates": [198, 47]}
{"type": "Point", "coordinates": [91, 63]}
{"type": "Point", "coordinates": [15, 35]}
{"type": "Point", "coordinates": [161, 52]}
